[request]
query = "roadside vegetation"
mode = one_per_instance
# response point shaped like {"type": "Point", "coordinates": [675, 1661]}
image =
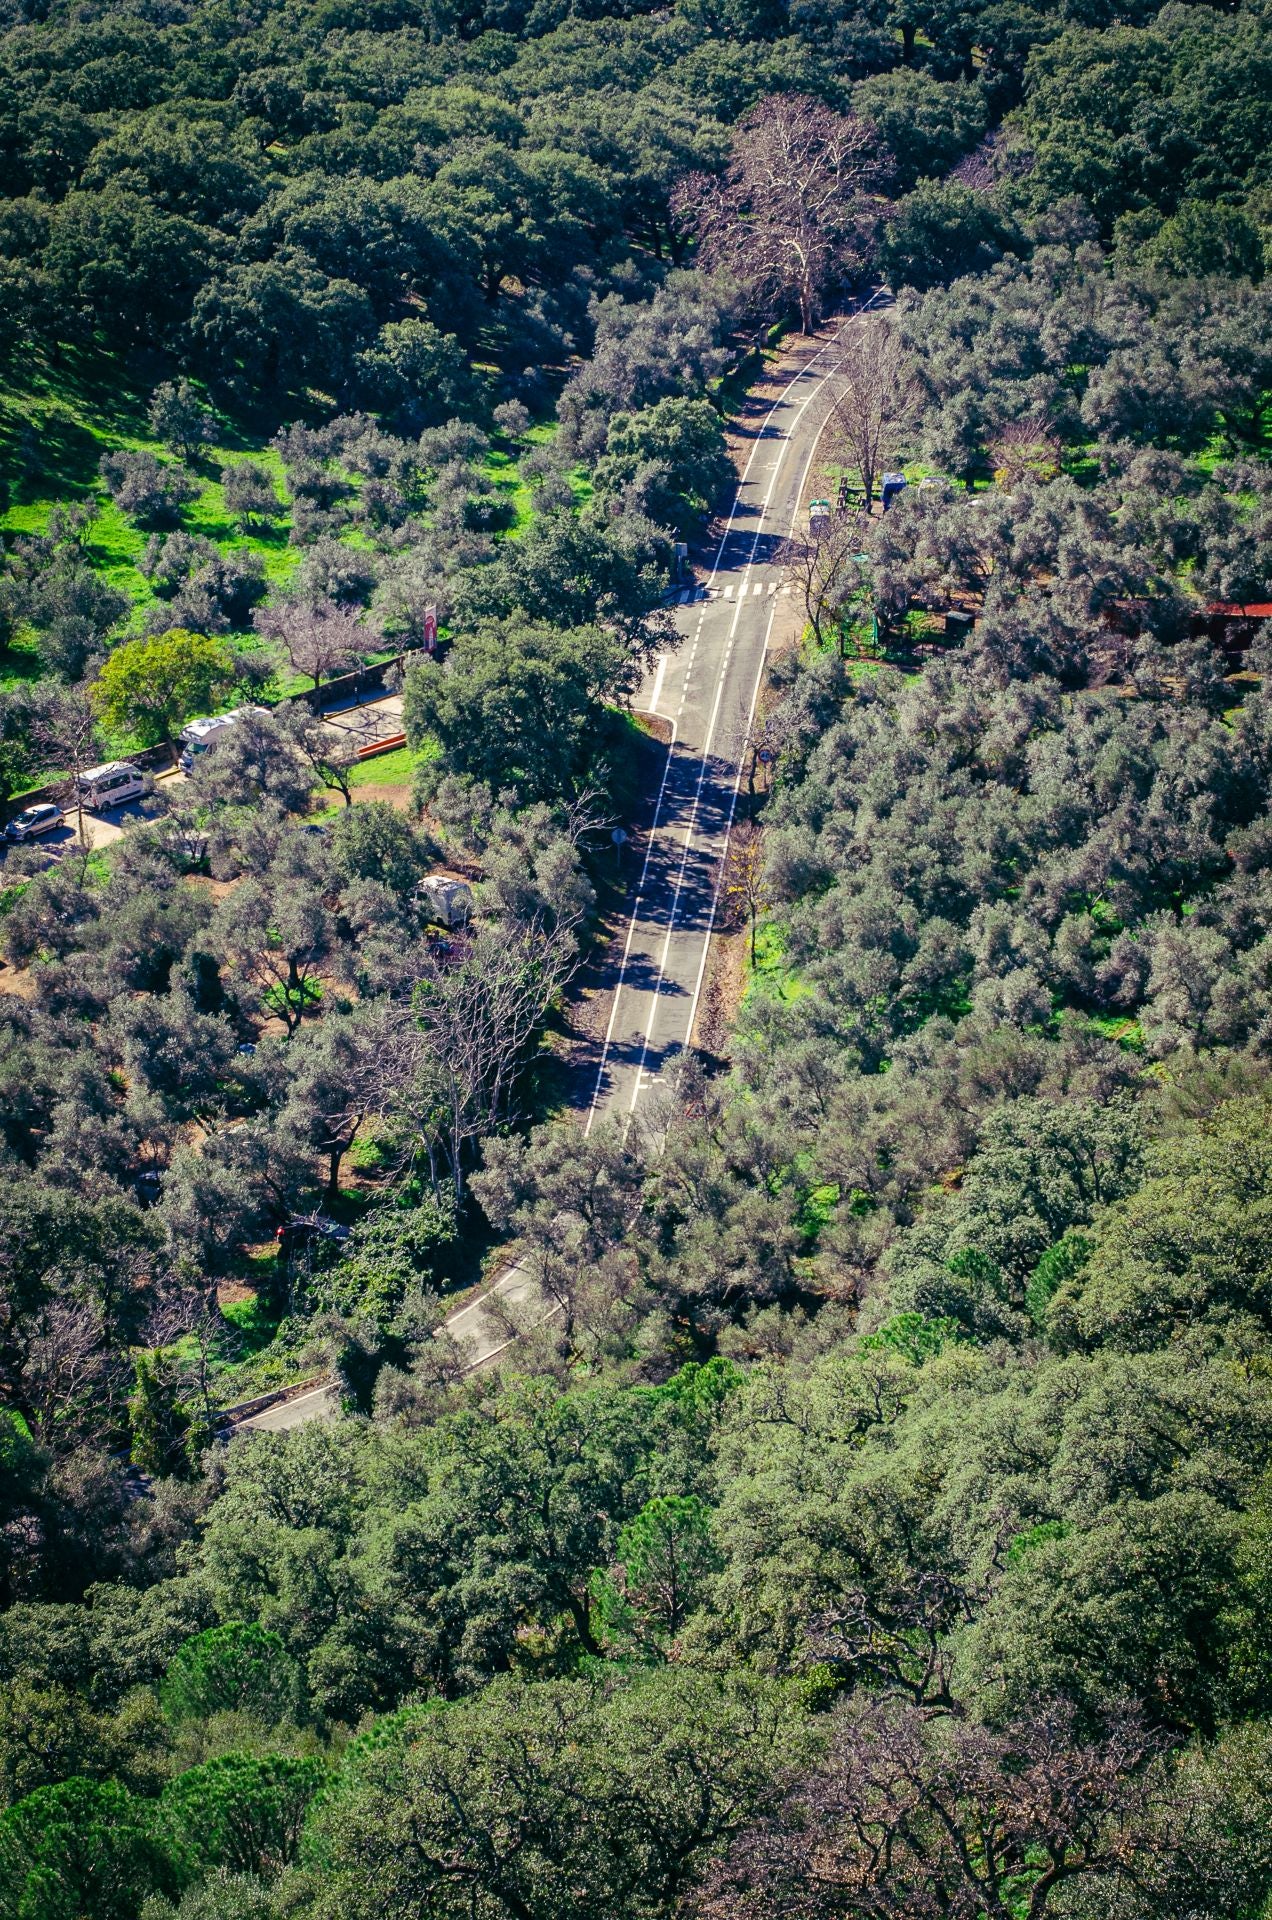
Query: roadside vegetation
{"type": "Point", "coordinates": [878, 1522]}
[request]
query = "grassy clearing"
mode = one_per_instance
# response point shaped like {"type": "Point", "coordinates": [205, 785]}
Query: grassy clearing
{"type": "Point", "coordinates": [1122, 1028]}
{"type": "Point", "coordinates": [502, 467]}
{"type": "Point", "coordinates": [396, 769]}
{"type": "Point", "coordinates": [771, 976]}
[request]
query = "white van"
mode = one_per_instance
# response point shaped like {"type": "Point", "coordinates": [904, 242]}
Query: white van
{"type": "Point", "coordinates": [101, 788]}
{"type": "Point", "coordinates": [199, 735]}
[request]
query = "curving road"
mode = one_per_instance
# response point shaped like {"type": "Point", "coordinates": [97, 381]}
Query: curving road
{"type": "Point", "coordinates": [707, 690]}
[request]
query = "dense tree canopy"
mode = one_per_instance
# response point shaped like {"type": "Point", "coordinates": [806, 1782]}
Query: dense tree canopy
{"type": "Point", "coordinates": [870, 1510]}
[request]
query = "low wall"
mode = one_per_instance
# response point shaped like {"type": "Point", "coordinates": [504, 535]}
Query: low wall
{"type": "Point", "coordinates": [348, 686]}
{"type": "Point", "coordinates": [230, 1416]}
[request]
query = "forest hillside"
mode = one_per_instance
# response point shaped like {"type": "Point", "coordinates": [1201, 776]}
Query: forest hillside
{"type": "Point", "coordinates": [873, 1516]}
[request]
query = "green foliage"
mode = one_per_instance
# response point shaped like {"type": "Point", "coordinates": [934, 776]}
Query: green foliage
{"type": "Point", "coordinates": [84, 1847]}
{"type": "Point", "coordinates": [1192, 1244]}
{"type": "Point", "coordinates": [668, 461]}
{"type": "Point", "coordinates": [416, 375]}
{"type": "Point", "coordinates": [394, 1251]}
{"type": "Point", "coordinates": [926, 125]}
{"type": "Point", "coordinates": [167, 1434]}
{"type": "Point", "coordinates": [663, 1563]}
{"type": "Point", "coordinates": [913, 1336]}
{"type": "Point", "coordinates": [147, 688]}
{"type": "Point", "coordinates": [605, 1806]}
{"type": "Point", "coordinates": [219, 1896]}
{"type": "Point", "coordinates": [1148, 115]}
{"type": "Point", "coordinates": [244, 1812]}
{"type": "Point", "coordinates": [518, 706]}
{"type": "Point", "coordinates": [235, 1668]}
{"type": "Point", "coordinates": [941, 231]}
{"type": "Point", "coordinates": [703, 1584]}
{"type": "Point", "coordinates": [1059, 1266]}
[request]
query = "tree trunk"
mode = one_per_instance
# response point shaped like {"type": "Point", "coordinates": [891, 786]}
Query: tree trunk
{"type": "Point", "coordinates": [580, 1613]}
{"type": "Point", "coordinates": [293, 999]}
{"type": "Point", "coordinates": [907, 41]}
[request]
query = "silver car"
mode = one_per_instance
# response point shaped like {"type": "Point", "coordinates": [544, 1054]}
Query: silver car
{"type": "Point", "coordinates": [33, 821]}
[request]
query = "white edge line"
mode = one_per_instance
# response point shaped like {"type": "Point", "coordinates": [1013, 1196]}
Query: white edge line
{"type": "Point", "coordinates": [750, 720]}
{"type": "Point", "coordinates": [656, 694]}
{"type": "Point", "coordinates": [631, 929]}
{"type": "Point", "coordinates": [715, 714]}
{"type": "Point", "coordinates": [828, 347]}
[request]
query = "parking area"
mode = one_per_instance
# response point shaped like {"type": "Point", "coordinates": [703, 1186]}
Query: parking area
{"type": "Point", "coordinates": [368, 721]}
{"type": "Point", "coordinates": [90, 829]}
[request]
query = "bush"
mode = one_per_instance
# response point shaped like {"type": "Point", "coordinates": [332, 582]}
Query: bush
{"type": "Point", "coordinates": [141, 486]}
{"type": "Point", "coordinates": [249, 494]}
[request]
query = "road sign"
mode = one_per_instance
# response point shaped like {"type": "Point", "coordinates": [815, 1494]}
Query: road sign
{"type": "Point", "coordinates": [766, 756]}
{"type": "Point", "coordinates": [619, 837]}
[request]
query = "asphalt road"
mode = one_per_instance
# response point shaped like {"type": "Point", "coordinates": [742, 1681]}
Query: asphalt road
{"type": "Point", "coordinates": [708, 690]}
{"type": "Point", "coordinates": [318, 1403]}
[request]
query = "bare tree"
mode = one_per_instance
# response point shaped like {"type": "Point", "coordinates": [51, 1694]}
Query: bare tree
{"type": "Point", "coordinates": [451, 1067]}
{"type": "Point", "coordinates": [1024, 448]}
{"type": "Point", "coordinates": [744, 886]}
{"type": "Point", "coordinates": [876, 398]}
{"type": "Point", "coordinates": [788, 213]}
{"type": "Point", "coordinates": [74, 1382]}
{"type": "Point", "coordinates": [66, 727]}
{"type": "Point", "coordinates": [318, 637]}
{"type": "Point", "coordinates": [829, 571]}
{"type": "Point", "coordinates": [911, 1818]}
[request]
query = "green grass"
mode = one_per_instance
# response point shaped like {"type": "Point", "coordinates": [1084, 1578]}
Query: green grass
{"type": "Point", "coordinates": [20, 663]}
{"type": "Point", "coordinates": [396, 769]}
{"type": "Point", "coordinates": [818, 1209]}
{"type": "Point", "coordinates": [56, 422]}
{"type": "Point", "coordinates": [254, 1324]}
{"type": "Point", "coordinates": [503, 470]}
{"type": "Point", "coordinates": [771, 976]}
{"type": "Point", "coordinates": [1122, 1028]}
{"type": "Point", "coordinates": [55, 425]}
{"type": "Point", "coordinates": [502, 467]}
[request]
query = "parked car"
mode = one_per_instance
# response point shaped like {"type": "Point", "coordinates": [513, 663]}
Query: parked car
{"type": "Point", "coordinates": [112, 785]}
{"type": "Point", "coordinates": [301, 1232]}
{"type": "Point", "coordinates": [33, 821]}
{"type": "Point", "coordinates": [148, 1187]}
